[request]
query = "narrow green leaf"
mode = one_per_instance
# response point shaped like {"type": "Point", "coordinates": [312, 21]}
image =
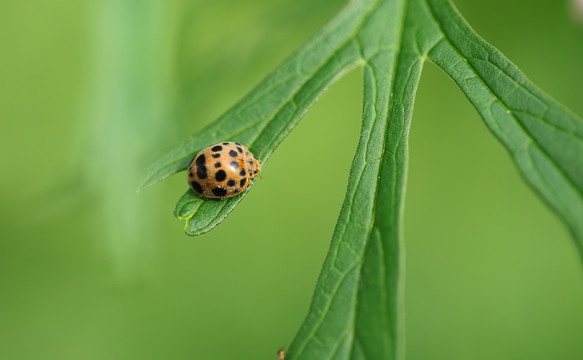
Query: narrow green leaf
{"type": "Point", "coordinates": [544, 139]}
{"type": "Point", "coordinates": [263, 118]}
{"type": "Point", "coordinates": [357, 309]}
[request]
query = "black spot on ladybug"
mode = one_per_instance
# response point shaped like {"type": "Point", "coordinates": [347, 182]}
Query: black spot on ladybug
{"type": "Point", "coordinates": [242, 172]}
{"type": "Point", "coordinates": [217, 148]}
{"type": "Point", "coordinates": [196, 186]}
{"type": "Point", "coordinates": [239, 149]}
{"type": "Point", "coordinates": [243, 182]}
{"type": "Point", "coordinates": [201, 171]}
{"type": "Point", "coordinates": [220, 175]}
{"type": "Point", "coordinates": [231, 182]}
{"type": "Point", "coordinates": [237, 144]}
{"type": "Point", "coordinates": [234, 165]}
{"type": "Point", "coordinates": [191, 174]}
{"type": "Point", "coordinates": [225, 143]}
{"type": "Point", "coordinates": [216, 155]}
{"type": "Point", "coordinates": [236, 191]}
{"type": "Point", "coordinates": [218, 164]}
{"type": "Point", "coordinates": [233, 153]}
{"type": "Point", "coordinates": [200, 160]}
{"type": "Point", "coordinates": [250, 162]}
{"type": "Point", "coordinates": [219, 191]}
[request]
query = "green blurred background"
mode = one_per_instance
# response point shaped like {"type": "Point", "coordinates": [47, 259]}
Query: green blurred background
{"type": "Point", "coordinates": [92, 91]}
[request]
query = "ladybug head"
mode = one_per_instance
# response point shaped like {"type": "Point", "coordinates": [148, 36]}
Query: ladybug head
{"type": "Point", "coordinates": [256, 170]}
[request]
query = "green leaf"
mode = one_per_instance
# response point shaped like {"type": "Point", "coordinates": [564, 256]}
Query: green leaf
{"type": "Point", "coordinates": [544, 139]}
{"type": "Point", "coordinates": [357, 308]}
{"type": "Point", "coordinates": [264, 117]}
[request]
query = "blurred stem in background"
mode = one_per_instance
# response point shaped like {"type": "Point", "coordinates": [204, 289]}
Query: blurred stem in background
{"type": "Point", "coordinates": [130, 106]}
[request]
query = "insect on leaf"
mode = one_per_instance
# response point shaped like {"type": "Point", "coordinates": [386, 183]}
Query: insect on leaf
{"type": "Point", "coordinates": [357, 308]}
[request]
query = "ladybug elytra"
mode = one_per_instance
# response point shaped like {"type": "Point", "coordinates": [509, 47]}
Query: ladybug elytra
{"type": "Point", "coordinates": [223, 170]}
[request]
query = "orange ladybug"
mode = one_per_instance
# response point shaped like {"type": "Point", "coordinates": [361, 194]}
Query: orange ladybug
{"type": "Point", "coordinates": [223, 170]}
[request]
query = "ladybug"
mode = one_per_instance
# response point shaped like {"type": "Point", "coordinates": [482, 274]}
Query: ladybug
{"type": "Point", "coordinates": [223, 170]}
